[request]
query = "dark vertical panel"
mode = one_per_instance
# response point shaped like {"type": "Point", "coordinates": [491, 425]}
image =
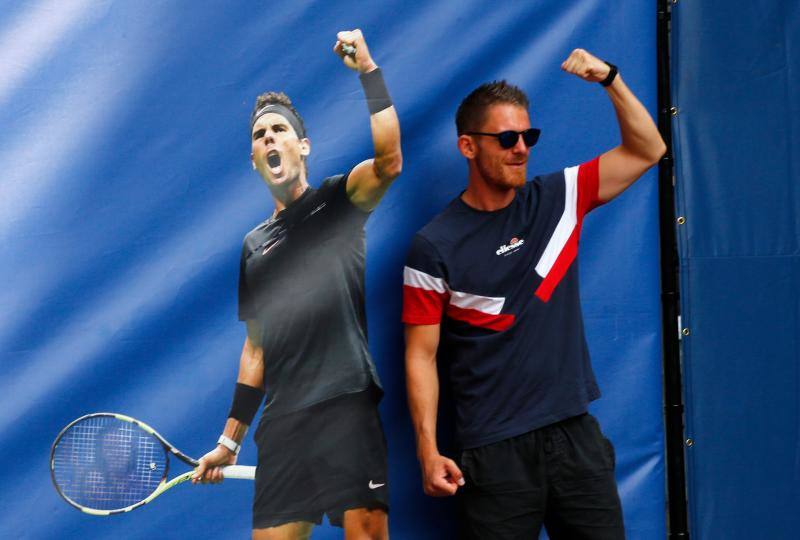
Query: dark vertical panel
{"type": "Point", "coordinates": [677, 519]}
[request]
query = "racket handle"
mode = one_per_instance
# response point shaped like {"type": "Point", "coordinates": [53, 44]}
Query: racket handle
{"type": "Point", "coordinates": [239, 472]}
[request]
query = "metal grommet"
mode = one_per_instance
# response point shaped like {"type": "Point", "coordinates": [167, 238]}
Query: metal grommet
{"type": "Point", "coordinates": [689, 442]}
{"type": "Point", "coordinates": [673, 111]}
{"type": "Point", "coordinates": [681, 220]}
{"type": "Point", "coordinates": [685, 332]}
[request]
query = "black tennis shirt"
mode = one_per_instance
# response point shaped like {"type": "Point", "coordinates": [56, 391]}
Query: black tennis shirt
{"type": "Point", "coordinates": [301, 279]}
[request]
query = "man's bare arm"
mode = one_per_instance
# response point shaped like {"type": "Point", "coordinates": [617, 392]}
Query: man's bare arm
{"type": "Point", "coordinates": [251, 373]}
{"type": "Point", "coordinates": [369, 180]}
{"type": "Point", "coordinates": [642, 145]}
{"type": "Point", "coordinates": [440, 475]}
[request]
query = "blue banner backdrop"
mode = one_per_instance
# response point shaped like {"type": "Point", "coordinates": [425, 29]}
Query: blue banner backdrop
{"type": "Point", "coordinates": [127, 189]}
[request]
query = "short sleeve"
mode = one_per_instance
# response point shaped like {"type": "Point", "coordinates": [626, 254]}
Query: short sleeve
{"type": "Point", "coordinates": [425, 290]}
{"type": "Point", "coordinates": [333, 191]}
{"type": "Point", "coordinates": [578, 188]}
{"type": "Point", "coordinates": [588, 186]}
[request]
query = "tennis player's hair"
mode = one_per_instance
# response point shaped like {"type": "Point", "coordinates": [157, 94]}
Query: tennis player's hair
{"type": "Point", "coordinates": [472, 112]}
{"type": "Point", "coordinates": [268, 98]}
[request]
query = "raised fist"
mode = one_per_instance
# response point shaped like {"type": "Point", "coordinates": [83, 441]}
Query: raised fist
{"type": "Point", "coordinates": [587, 67]}
{"type": "Point", "coordinates": [352, 49]}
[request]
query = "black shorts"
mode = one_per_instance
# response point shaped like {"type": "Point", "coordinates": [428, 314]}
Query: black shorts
{"type": "Point", "coordinates": [560, 476]}
{"type": "Point", "coordinates": [324, 459]}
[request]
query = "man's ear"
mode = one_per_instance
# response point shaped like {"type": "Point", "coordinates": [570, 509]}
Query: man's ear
{"type": "Point", "coordinates": [305, 146]}
{"type": "Point", "coordinates": [253, 163]}
{"type": "Point", "coordinates": [466, 145]}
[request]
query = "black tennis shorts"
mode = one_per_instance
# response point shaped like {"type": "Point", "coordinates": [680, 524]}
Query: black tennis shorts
{"type": "Point", "coordinates": [560, 476]}
{"type": "Point", "coordinates": [324, 459]}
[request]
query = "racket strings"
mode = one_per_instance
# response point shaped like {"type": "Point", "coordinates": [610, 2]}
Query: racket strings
{"type": "Point", "coordinates": [105, 463]}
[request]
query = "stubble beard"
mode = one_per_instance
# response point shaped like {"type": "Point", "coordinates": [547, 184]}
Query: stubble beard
{"type": "Point", "coordinates": [497, 176]}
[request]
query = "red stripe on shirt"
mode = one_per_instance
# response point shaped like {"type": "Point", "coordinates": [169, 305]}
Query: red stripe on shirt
{"type": "Point", "coordinates": [560, 267]}
{"type": "Point", "coordinates": [479, 318]}
{"type": "Point", "coordinates": [588, 187]}
{"type": "Point", "coordinates": [422, 306]}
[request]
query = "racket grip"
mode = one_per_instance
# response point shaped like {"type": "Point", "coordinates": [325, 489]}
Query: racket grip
{"type": "Point", "coordinates": [239, 472]}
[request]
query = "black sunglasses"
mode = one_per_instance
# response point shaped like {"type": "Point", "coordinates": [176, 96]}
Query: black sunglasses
{"type": "Point", "coordinates": [508, 139]}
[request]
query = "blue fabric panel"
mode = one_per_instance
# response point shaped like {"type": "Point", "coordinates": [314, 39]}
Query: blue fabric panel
{"type": "Point", "coordinates": [735, 81]}
{"type": "Point", "coordinates": [127, 188]}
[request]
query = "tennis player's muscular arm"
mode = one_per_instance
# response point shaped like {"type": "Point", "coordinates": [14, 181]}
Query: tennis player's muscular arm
{"type": "Point", "coordinates": [642, 145]}
{"type": "Point", "coordinates": [370, 179]}
{"type": "Point", "coordinates": [440, 475]}
{"type": "Point", "coordinates": [251, 373]}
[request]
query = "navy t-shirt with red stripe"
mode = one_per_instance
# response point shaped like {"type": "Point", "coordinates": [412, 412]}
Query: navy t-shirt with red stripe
{"type": "Point", "coordinates": [504, 286]}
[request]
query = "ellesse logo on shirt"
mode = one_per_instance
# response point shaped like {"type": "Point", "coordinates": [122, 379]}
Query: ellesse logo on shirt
{"type": "Point", "coordinates": [513, 245]}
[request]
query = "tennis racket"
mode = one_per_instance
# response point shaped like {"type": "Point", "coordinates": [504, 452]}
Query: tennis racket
{"type": "Point", "coordinates": [106, 463]}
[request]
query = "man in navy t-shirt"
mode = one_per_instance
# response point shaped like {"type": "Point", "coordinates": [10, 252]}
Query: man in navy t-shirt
{"type": "Point", "coordinates": [491, 292]}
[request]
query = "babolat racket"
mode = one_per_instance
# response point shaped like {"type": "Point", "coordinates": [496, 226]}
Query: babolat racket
{"type": "Point", "coordinates": [106, 463]}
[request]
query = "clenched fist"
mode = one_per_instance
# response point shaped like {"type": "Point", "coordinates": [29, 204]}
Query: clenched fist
{"type": "Point", "coordinates": [361, 61]}
{"type": "Point", "coordinates": [586, 66]}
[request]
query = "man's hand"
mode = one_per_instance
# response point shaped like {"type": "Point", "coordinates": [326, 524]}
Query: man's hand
{"type": "Point", "coordinates": [587, 67]}
{"type": "Point", "coordinates": [361, 61]}
{"type": "Point", "coordinates": [441, 477]}
{"type": "Point", "coordinates": [210, 468]}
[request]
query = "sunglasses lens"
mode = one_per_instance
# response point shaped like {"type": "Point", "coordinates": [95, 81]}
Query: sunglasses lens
{"type": "Point", "coordinates": [508, 139]}
{"type": "Point", "coordinates": [530, 136]}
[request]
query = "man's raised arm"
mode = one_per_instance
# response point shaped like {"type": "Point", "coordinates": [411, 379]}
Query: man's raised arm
{"type": "Point", "coordinates": [642, 145]}
{"type": "Point", "coordinates": [370, 179]}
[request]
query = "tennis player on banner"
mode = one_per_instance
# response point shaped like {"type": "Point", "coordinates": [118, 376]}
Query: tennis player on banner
{"type": "Point", "coordinates": [321, 447]}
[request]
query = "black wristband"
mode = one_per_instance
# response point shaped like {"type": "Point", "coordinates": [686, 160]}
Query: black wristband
{"type": "Point", "coordinates": [246, 401]}
{"type": "Point", "coordinates": [612, 74]}
{"type": "Point", "coordinates": [375, 91]}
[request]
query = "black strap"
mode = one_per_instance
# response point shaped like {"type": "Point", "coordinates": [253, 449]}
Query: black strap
{"type": "Point", "coordinates": [375, 91]}
{"type": "Point", "coordinates": [246, 401]}
{"type": "Point", "coordinates": [612, 74]}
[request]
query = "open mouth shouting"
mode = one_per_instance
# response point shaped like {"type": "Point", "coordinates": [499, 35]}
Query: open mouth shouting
{"type": "Point", "coordinates": [274, 162]}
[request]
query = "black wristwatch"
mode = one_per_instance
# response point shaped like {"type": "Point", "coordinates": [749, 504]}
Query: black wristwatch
{"type": "Point", "coordinates": [612, 74]}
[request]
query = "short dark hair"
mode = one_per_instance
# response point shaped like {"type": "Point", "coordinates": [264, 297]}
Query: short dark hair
{"type": "Point", "coordinates": [472, 112]}
{"type": "Point", "coordinates": [279, 98]}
